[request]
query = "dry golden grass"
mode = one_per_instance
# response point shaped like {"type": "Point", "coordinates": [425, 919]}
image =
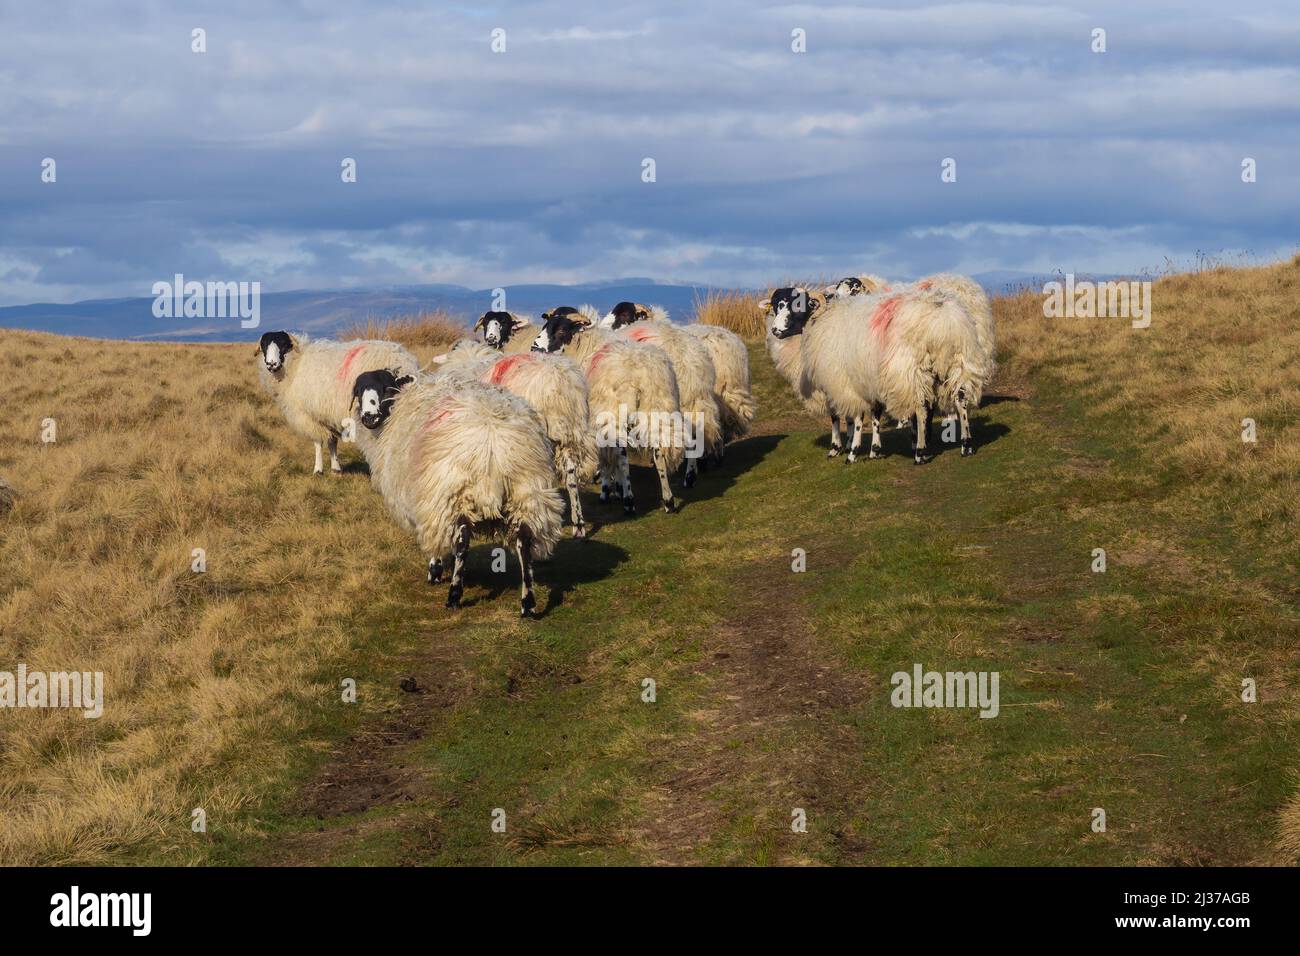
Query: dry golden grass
{"type": "Point", "coordinates": [432, 330]}
{"type": "Point", "coordinates": [1221, 348]}
{"type": "Point", "coordinates": [162, 449]}
{"type": "Point", "coordinates": [735, 311]}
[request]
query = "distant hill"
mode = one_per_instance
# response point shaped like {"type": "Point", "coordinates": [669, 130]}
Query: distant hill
{"type": "Point", "coordinates": [326, 312]}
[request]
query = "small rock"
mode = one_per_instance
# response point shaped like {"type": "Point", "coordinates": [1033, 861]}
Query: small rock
{"type": "Point", "coordinates": [409, 685]}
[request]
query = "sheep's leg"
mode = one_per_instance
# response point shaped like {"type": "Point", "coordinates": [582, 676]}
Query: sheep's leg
{"type": "Point", "coordinates": [963, 415]}
{"type": "Point", "coordinates": [688, 473]}
{"type": "Point", "coordinates": [665, 490]}
{"type": "Point", "coordinates": [625, 482]}
{"type": "Point", "coordinates": [922, 433]}
{"type": "Point", "coordinates": [524, 549]}
{"type": "Point", "coordinates": [604, 476]}
{"type": "Point", "coordinates": [856, 443]}
{"type": "Point", "coordinates": [335, 467]}
{"type": "Point", "coordinates": [877, 411]}
{"type": "Point", "coordinates": [320, 464]}
{"type": "Point", "coordinates": [460, 551]}
{"type": "Point", "coordinates": [575, 504]}
{"type": "Point", "coordinates": [837, 443]}
{"type": "Point", "coordinates": [435, 570]}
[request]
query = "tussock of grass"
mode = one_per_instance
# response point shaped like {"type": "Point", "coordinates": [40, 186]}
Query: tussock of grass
{"type": "Point", "coordinates": [735, 311]}
{"type": "Point", "coordinates": [436, 329]}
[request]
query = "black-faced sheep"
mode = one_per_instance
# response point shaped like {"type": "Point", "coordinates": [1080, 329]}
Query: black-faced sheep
{"type": "Point", "coordinates": [632, 392]}
{"type": "Point", "coordinates": [311, 380]}
{"type": "Point", "coordinates": [453, 458]}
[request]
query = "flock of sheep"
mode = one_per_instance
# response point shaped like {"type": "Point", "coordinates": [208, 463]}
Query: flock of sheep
{"type": "Point", "coordinates": [482, 441]}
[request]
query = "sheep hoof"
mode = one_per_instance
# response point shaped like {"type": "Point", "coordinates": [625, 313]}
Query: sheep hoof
{"type": "Point", "coordinates": [688, 480]}
{"type": "Point", "coordinates": [922, 459]}
{"type": "Point", "coordinates": [629, 509]}
{"type": "Point", "coordinates": [851, 458]}
{"type": "Point", "coordinates": [579, 530]}
{"type": "Point", "coordinates": [526, 606]}
{"type": "Point", "coordinates": [967, 450]}
{"type": "Point", "coordinates": [435, 578]}
{"type": "Point", "coordinates": [834, 452]}
{"type": "Point", "coordinates": [453, 599]}
{"type": "Point", "coordinates": [874, 453]}
{"type": "Point", "coordinates": [318, 471]}
{"type": "Point", "coordinates": [670, 506]}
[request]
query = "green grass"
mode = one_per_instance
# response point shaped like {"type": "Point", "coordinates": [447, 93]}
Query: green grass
{"type": "Point", "coordinates": [1118, 690]}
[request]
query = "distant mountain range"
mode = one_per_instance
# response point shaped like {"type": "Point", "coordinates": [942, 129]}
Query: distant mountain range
{"type": "Point", "coordinates": [326, 312]}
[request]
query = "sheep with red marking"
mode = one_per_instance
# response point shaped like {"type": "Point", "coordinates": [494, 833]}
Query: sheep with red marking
{"type": "Point", "coordinates": [696, 378]}
{"type": "Point", "coordinates": [632, 392]}
{"type": "Point", "coordinates": [906, 353]}
{"type": "Point", "coordinates": [555, 387]}
{"type": "Point", "coordinates": [454, 458]}
{"type": "Point", "coordinates": [311, 380]}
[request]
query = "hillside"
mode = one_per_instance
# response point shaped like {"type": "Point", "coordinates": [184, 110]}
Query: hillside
{"type": "Point", "coordinates": [1120, 690]}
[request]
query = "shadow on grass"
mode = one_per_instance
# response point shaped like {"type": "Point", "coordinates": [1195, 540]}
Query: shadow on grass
{"type": "Point", "coordinates": [574, 562]}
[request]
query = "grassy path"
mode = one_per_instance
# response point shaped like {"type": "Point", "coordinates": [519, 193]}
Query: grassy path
{"type": "Point", "coordinates": [1118, 690]}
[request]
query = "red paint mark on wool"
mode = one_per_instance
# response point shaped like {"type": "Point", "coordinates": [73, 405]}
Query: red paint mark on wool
{"type": "Point", "coordinates": [348, 359]}
{"type": "Point", "coordinates": [884, 315]}
{"type": "Point", "coordinates": [596, 358]}
{"type": "Point", "coordinates": [642, 334]}
{"type": "Point", "coordinates": [925, 284]}
{"type": "Point", "coordinates": [503, 369]}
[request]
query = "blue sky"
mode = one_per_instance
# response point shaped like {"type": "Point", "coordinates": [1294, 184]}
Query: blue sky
{"type": "Point", "coordinates": [486, 169]}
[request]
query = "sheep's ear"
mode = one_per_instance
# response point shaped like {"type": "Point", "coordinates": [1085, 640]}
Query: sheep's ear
{"type": "Point", "coordinates": [813, 305]}
{"type": "Point", "coordinates": [765, 305]}
{"type": "Point", "coordinates": [402, 382]}
{"type": "Point", "coordinates": [582, 322]}
{"type": "Point", "coordinates": [546, 316]}
{"type": "Point", "coordinates": [518, 322]}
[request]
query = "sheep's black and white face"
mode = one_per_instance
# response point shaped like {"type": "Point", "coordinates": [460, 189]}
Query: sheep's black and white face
{"type": "Point", "coordinates": [561, 326]}
{"type": "Point", "coordinates": [850, 285]}
{"type": "Point", "coordinates": [375, 392]}
{"type": "Point", "coordinates": [625, 313]}
{"type": "Point", "coordinates": [274, 347]}
{"type": "Point", "coordinates": [497, 327]}
{"type": "Point", "coordinates": [788, 311]}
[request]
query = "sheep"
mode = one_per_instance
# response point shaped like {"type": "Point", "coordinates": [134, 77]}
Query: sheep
{"type": "Point", "coordinates": [632, 390]}
{"type": "Point", "coordinates": [974, 299]}
{"type": "Point", "coordinates": [855, 285]}
{"type": "Point", "coordinates": [736, 406]}
{"type": "Point", "coordinates": [555, 387]}
{"type": "Point", "coordinates": [452, 458]}
{"type": "Point", "coordinates": [906, 353]}
{"type": "Point", "coordinates": [786, 356]}
{"type": "Point", "coordinates": [506, 332]}
{"type": "Point", "coordinates": [967, 291]}
{"type": "Point", "coordinates": [696, 379]}
{"type": "Point", "coordinates": [311, 381]}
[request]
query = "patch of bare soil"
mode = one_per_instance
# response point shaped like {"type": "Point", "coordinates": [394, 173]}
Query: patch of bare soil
{"type": "Point", "coordinates": [769, 738]}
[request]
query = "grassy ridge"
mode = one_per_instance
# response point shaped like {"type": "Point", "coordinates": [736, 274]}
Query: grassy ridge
{"type": "Point", "coordinates": [1119, 690]}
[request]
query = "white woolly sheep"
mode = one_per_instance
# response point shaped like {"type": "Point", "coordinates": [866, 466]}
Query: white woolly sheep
{"type": "Point", "coordinates": [906, 353]}
{"type": "Point", "coordinates": [786, 356]}
{"type": "Point", "coordinates": [556, 389]}
{"type": "Point", "coordinates": [736, 406]}
{"type": "Point", "coordinates": [452, 458]}
{"type": "Point", "coordinates": [632, 392]}
{"type": "Point", "coordinates": [969, 292]}
{"type": "Point", "coordinates": [507, 332]}
{"type": "Point", "coordinates": [696, 379]}
{"type": "Point", "coordinates": [311, 380]}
